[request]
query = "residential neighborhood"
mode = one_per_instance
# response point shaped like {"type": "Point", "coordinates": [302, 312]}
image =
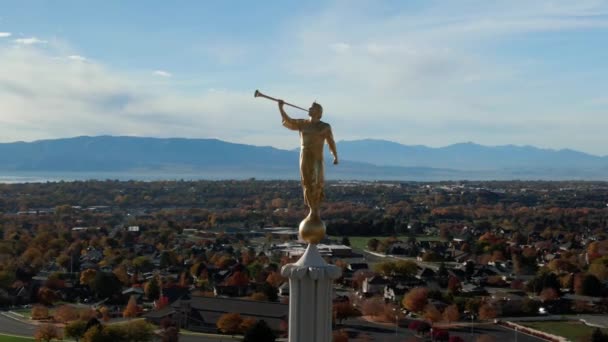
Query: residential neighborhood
{"type": "Point", "coordinates": [439, 275]}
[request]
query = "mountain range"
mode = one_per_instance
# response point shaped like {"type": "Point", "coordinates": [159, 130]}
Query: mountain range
{"type": "Point", "coordinates": [360, 159]}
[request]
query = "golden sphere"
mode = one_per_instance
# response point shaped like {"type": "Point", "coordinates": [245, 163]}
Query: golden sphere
{"type": "Point", "coordinates": [312, 229]}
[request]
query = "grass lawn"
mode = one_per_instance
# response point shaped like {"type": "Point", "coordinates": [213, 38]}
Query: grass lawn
{"type": "Point", "coordinates": [360, 242]}
{"type": "Point", "coordinates": [5, 338]}
{"type": "Point", "coordinates": [571, 330]}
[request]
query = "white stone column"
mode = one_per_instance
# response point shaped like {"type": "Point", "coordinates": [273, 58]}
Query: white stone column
{"type": "Point", "coordinates": [310, 297]}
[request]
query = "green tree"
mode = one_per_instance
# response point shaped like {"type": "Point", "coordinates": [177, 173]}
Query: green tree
{"type": "Point", "coordinates": [106, 285]}
{"type": "Point", "coordinates": [143, 263]}
{"type": "Point", "coordinates": [271, 292]}
{"type": "Point", "coordinates": [75, 329]}
{"type": "Point", "coordinates": [152, 289]}
{"type": "Point", "coordinates": [592, 286]}
{"type": "Point", "coordinates": [138, 331]}
{"type": "Point", "coordinates": [260, 332]}
{"type": "Point", "coordinates": [598, 336]}
{"type": "Point", "coordinates": [372, 244]}
{"type": "Point", "coordinates": [405, 268]}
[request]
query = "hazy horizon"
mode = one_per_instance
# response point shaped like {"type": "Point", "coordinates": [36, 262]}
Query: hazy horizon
{"type": "Point", "coordinates": [296, 147]}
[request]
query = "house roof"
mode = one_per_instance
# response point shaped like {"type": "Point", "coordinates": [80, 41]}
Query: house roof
{"type": "Point", "coordinates": [377, 280]}
{"type": "Point", "coordinates": [244, 307]}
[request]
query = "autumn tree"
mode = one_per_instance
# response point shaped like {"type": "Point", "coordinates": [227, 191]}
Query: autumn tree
{"type": "Point", "coordinates": [229, 323]}
{"type": "Point", "coordinates": [40, 312]}
{"type": "Point", "coordinates": [275, 279]}
{"type": "Point", "coordinates": [65, 314]}
{"type": "Point", "coordinates": [344, 310]}
{"type": "Point", "coordinates": [246, 324]}
{"type": "Point", "coordinates": [46, 296]}
{"type": "Point", "coordinates": [599, 270]}
{"type": "Point", "coordinates": [87, 276]}
{"type": "Point", "coordinates": [340, 336]}
{"type": "Point", "coordinates": [372, 307]}
{"type": "Point", "coordinates": [451, 313]}
{"type": "Point", "coordinates": [121, 273]}
{"type": "Point", "coordinates": [238, 278]}
{"type": "Point", "coordinates": [47, 332]}
{"type": "Point", "coordinates": [431, 313]}
{"type": "Point", "coordinates": [259, 297]}
{"type": "Point", "coordinates": [485, 338]}
{"type": "Point", "coordinates": [415, 300]}
{"type": "Point", "coordinates": [131, 310]}
{"type": "Point", "coordinates": [454, 285]}
{"type": "Point", "coordinates": [487, 312]}
{"type": "Point", "coordinates": [105, 313]}
{"type": "Point", "coordinates": [549, 294]}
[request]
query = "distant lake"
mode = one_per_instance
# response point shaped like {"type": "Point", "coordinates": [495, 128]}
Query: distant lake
{"type": "Point", "coordinates": [43, 177]}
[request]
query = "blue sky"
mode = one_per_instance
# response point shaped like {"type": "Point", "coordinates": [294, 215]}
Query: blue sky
{"type": "Point", "coordinates": [416, 72]}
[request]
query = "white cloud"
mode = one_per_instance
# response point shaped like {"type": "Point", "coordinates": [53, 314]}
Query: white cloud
{"type": "Point", "coordinates": [77, 58]}
{"type": "Point", "coordinates": [409, 73]}
{"type": "Point", "coordinates": [5, 34]}
{"type": "Point", "coordinates": [30, 41]}
{"type": "Point", "coordinates": [339, 47]}
{"type": "Point", "coordinates": [162, 73]}
{"type": "Point", "coordinates": [45, 96]}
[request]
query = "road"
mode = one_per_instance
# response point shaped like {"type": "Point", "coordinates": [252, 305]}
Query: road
{"type": "Point", "coordinates": [12, 326]}
{"type": "Point", "coordinates": [357, 328]}
{"type": "Point", "coordinates": [198, 338]}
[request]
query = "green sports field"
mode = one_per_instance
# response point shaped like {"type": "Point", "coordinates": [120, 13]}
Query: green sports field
{"type": "Point", "coordinates": [360, 242]}
{"type": "Point", "coordinates": [571, 330]}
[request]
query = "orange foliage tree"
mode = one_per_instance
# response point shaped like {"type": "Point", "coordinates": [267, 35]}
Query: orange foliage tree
{"type": "Point", "coordinates": [46, 296]}
{"type": "Point", "coordinates": [131, 309]}
{"type": "Point", "coordinates": [246, 324]}
{"type": "Point", "coordinates": [65, 314]}
{"type": "Point", "coordinates": [87, 276]}
{"type": "Point", "coordinates": [487, 311]}
{"type": "Point", "coordinates": [259, 297]}
{"type": "Point", "coordinates": [372, 307]}
{"type": "Point", "coordinates": [340, 336]}
{"type": "Point", "coordinates": [238, 278]}
{"type": "Point", "coordinates": [105, 313]}
{"type": "Point", "coordinates": [485, 338]}
{"type": "Point", "coordinates": [47, 332]}
{"type": "Point", "coordinates": [40, 312]}
{"type": "Point", "coordinates": [416, 299]}
{"type": "Point", "coordinates": [229, 323]}
{"type": "Point", "coordinates": [431, 313]}
{"type": "Point", "coordinates": [451, 313]}
{"type": "Point", "coordinates": [549, 294]}
{"type": "Point", "coordinates": [275, 279]}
